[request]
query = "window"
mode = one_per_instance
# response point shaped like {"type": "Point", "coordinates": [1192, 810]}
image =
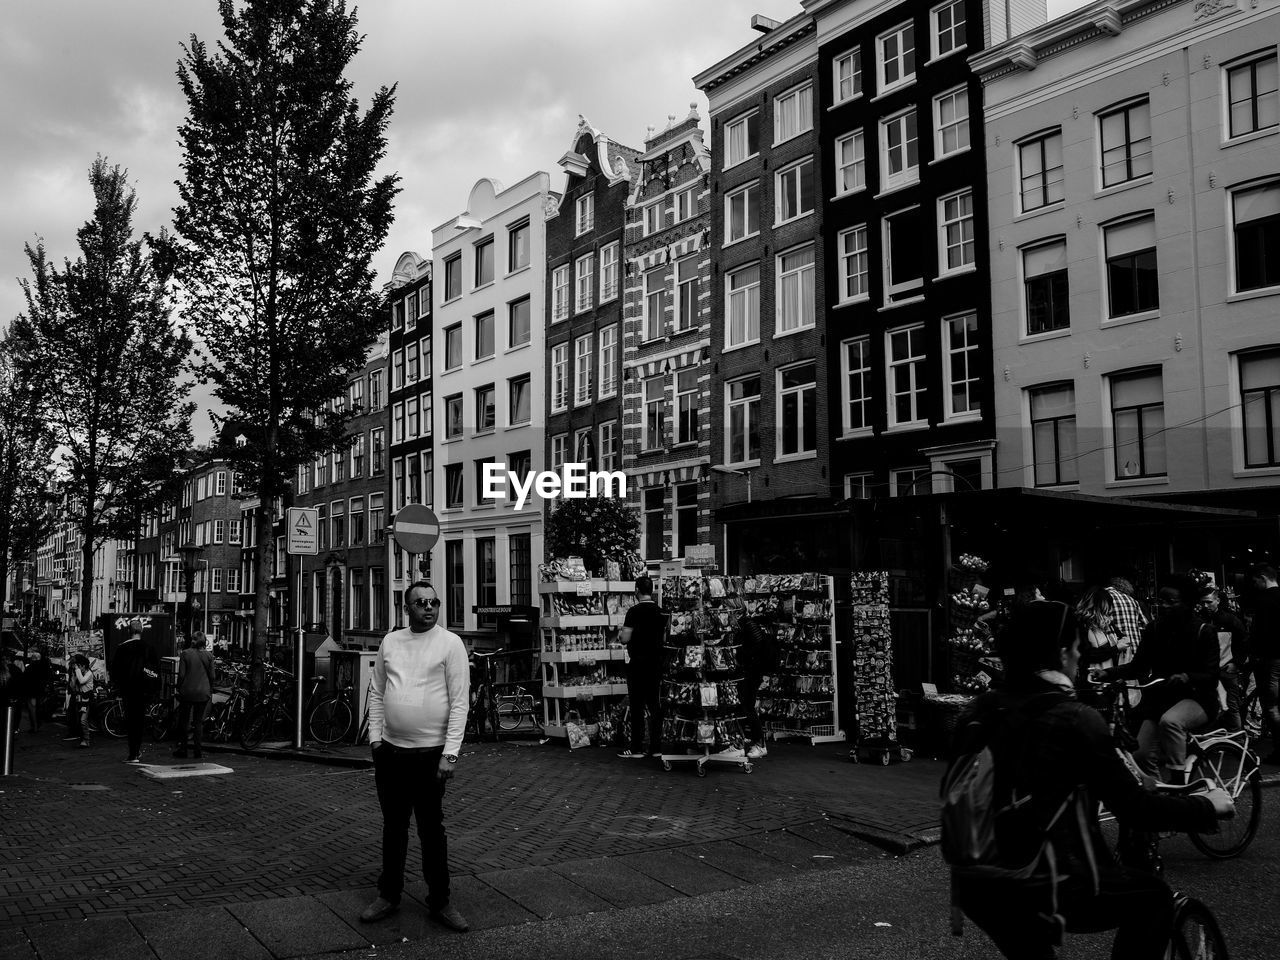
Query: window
{"type": "Point", "coordinates": [1044, 277]}
{"type": "Point", "coordinates": [655, 544]}
{"type": "Point", "coordinates": [338, 524]}
{"type": "Point", "coordinates": [411, 364]}
{"type": "Point", "coordinates": [1132, 283]}
{"type": "Point", "coordinates": [653, 216]}
{"type": "Point", "coordinates": [560, 293]}
{"type": "Point", "coordinates": [855, 369]}
{"type": "Point", "coordinates": [397, 315]}
{"type": "Point", "coordinates": [743, 292]}
{"type": "Point", "coordinates": [609, 445]}
{"type": "Point", "coordinates": [906, 384]}
{"type": "Point", "coordinates": [608, 361]}
{"type": "Point", "coordinates": [520, 463]}
{"type": "Point", "coordinates": [741, 139]}
{"type": "Point", "coordinates": [609, 271]}
{"type": "Point", "coordinates": [1053, 434]}
{"type": "Point", "coordinates": [792, 113]}
{"type": "Point", "coordinates": [304, 478]}
{"type": "Point", "coordinates": [1255, 235]}
{"type": "Point", "coordinates": [234, 530]}
{"type": "Point", "coordinates": [685, 527]}
{"type": "Point", "coordinates": [686, 293]}
{"type": "Point", "coordinates": [485, 339]}
{"type": "Point", "coordinates": [322, 528]}
{"type": "Point", "coordinates": [411, 311]}
{"type": "Point", "coordinates": [960, 362]}
{"type": "Point", "coordinates": [484, 262]}
{"type": "Point", "coordinates": [586, 280]}
{"type": "Point", "coordinates": [582, 370]}
{"type": "Point", "coordinates": [453, 415]}
{"type": "Point", "coordinates": [356, 512]}
{"type": "Point", "coordinates": [455, 570]}
{"type": "Point", "coordinates": [655, 297]}
{"type": "Point", "coordinates": [948, 28]}
{"type": "Point", "coordinates": [428, 479]}
{"type": "Point", "coordinates": [357, 456]}
{"type": "Point", "coordinates": [519, 400]}
{"type": "Point", "coordinates": [742, 413]}
{"type": "Point", "coordinates": [1253, 96]}
{"type": "Point", "coordinates": [1260, 406]}
{"type": "Point", "coordinates": [742, 213]}
{"type": "Point", "coordinates": [520, 560]}
{"type": "Point", "coordinates": [955, 232]}
{"type": "Point", "coordinates": [846, 80]}
{"type": "Point", "coordinates": [377, 518]}
{"type": "Point", "coordinates": [397, 425]}
{"type": "Point", "coordinates": [355, 395]}
{"type": "Point", "coordinates": [896, 57]}
{"type": "Point", "coordinates": [518, 246]}
{"type": "Point", "coordinates": [453, 485]}
{"type": "Point", "coordinates": [857, 486]}
{"type": "Point", "coordinates": [797, 410]}
{"type": "Point", "coordinates": [453, 347]}
{"type": "Point", "coordinates": [687, 406]}
{"type": "Point", "coordinates": [397, 370]}
{"type": "Point", "coordinates": [519, 330]}
{"type": "Point", "coordinates": [452, 277]}
{"type": "Point", "coordinates": [378, 590]}
{"type": "Point", "coordinates": [584, 447]}
{"type": "Point", "coordinates": [851, 165]}
{"type": "Point", "coordinates": [424, 302]}
{"type": "Point", "coordinates": [1124, 136]}
{"type": "Point", "coordinates": [1040, 170]}
{"type": "Point", "coordinates": [233, 580]}
{"type": "Point", "coordinates": [951, 121]}
{"type": "Point", "coordinates": [559, 448]}
{"type": "Point", "coordinates": [1137, 416]}
{"type": "Point", "coordinates": [377, 450]}
{"type": "Point", "coordinates": [397, 485]}
{"type": "Point", "coordinates": [559, 377]}
{"type": "Point", "coordinates": [359, 605]}
{"type": "Point", "coordinates": [481, 500]}
{"type": "Point", "coordinates": [795, 290]}
{"type": "Point", "coordinates": [793, 192]}
{"type": "Point", "coordinates": [899, 151]}
{"type": "Point", "coordinates": [219, 530]}
{"type": "Point", "coordinates": [486, 579]}
{"type": "Point", "coordinates": [220, 484]}
{"type": "Point", "coordinates": [686, 204]}
{"type": "Point", "coordinates": [376, 397]}
{"type": "Point", "coordinates": [910, 482]}
{"type": "Point", "coordinates": [585, 217]}
{"type": "Point", "coordinates": [215, 580]}
{"type": "Point", "coordinates": [486, 417]}
{"type": "Point", "coordinates": [903, 266]}
{"type": "Point", "coordinates": [655, 403]}
{"type": "Point", "coordinates": [854, 271]}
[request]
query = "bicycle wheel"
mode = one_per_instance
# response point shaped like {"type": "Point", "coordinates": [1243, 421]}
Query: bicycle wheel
{"type": "Point", "coordinates": [1195, 933]}
{"type": "Point", "coordinates": [330, 720]}
{"type": "Point", "coordinates": [113, 719]}
{"type": "Point", "coordinates": [257, 724]}
{"type": "Point", "coordinates": [1227, 765]}
{"type": "Point", "coordinates": [160, 721]}
{"type": "Point", "coordinates": [1251, 711]}
{"type": "Point", "coordinates": [510, 716]}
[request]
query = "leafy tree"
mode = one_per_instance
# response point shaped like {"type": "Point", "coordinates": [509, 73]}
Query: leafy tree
{"type": "Point", "coordinates": [278, 223]}
{"type": "Point", "coordinates": [597, 529]}
{"type": "Point", "coordinates": [99, 337]}
{"type": "Point", "coordinates": [26, 454]}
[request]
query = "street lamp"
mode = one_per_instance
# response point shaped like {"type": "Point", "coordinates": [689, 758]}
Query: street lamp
{"type": "Point", "coordinates": [721, 468]}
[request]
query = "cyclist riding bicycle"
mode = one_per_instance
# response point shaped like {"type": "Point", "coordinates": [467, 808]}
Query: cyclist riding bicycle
{"type": "Point", "coordinates": [1182, 649]}
{"type": "Point", "coordinates": [1053, 760]}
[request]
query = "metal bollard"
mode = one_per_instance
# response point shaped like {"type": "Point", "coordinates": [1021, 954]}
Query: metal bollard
{"type": "Point", "coordinates": [10, 724]}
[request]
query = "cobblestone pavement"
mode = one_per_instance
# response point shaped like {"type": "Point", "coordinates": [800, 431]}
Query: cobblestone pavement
{"type": "Point", "coordinates": [85, 835]}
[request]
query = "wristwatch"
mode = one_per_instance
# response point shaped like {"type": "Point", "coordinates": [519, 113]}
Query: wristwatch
{"type": "Point", "coordinates": [451, 757]}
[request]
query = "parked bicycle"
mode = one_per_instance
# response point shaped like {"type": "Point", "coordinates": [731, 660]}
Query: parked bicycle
{"type": "Point", "coordinates": [516, 710]}
{"type": "Point", "coordinates": [331, 719]}
{"type": "Point", "coordinates": [483, 711]}
{"type": "Point", "coordinates": [106, 713]}
{"type": "Point", "coordinates": [273, 718]}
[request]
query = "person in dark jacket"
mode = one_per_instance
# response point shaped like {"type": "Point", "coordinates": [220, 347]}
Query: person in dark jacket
{"type": "Point", "coordinates": [35, 686]}
{"type": "Point", "coordinates": [756, 657]}
{"type": "Point", "coordinates": [134, 669]}
{"type": "Point", "coordinates": [643, 632]}
{"type": "Point", "coordinates": [195, 689]}
{"type": "Point", "coordinates": [1264, 649]}
{"type": "Point", "coordinates": [1055, 747]}
{"type": "Point", "coordinates": [1182, 650]}
{"type": "Point", "coordinates": [1233, 651]}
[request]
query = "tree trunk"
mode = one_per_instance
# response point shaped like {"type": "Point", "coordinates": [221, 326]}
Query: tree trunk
{"type": "Point", "coordinates": [86, 578]}
{"type": "Point", "coordinates": [265, 533]}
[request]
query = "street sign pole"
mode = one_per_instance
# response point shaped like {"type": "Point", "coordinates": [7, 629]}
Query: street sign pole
{"type": "Point", "coordinates": [301, 538]}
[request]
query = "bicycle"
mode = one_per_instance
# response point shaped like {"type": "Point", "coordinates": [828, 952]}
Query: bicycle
{"type": "Point", "coordinates": [1220, 758]}
{"type": "Point", "coordinates": [106, 714]}
{"type": "Point", "coordinates": [1251, 706]}
{"type": "Point", "coordinates": [274, 716]}
{"type": "Point", "coordinates": [513, 709]}
{"type": "Point", "coordinates": [331, 718]}
{"type": "Point", "coordinates": [484, 703]}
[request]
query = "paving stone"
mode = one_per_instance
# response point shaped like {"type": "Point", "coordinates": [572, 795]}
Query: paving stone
{"type": "Point", "coordinates": [544, 892]}
{"type": "Point", "coordinates": [611, 879]}
{"type": "Point", "coordinates": [833, 839]}
{"type": "Point", "coordinates": [205, 934]}
{"type": "Point", "coordinates": [410, 922]}
{"type": "Point", "coordinates": [790, 848]}
{"type": "Point", "coordinates": [752, 866]}
{"type": "Point", "coordinates": [109, 939]}
{"type": "Point", "coordinates": [294, 926]}
{"type": "Point", "coordinates": [688, 875]}
{"type": "Point", "coordinates": [482, 905]}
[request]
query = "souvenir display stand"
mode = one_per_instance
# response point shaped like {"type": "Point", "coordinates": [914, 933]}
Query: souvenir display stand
{"type": "Point", "coordinates": [798, 698]}
{"type": "Point", "coordinates": [876, 700]}
{"type": "Point", "coordinates": [701, 703]}
{"type": "Point", "coordinates": [581, 651]}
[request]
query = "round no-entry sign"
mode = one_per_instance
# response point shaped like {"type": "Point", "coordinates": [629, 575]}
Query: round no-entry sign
{"type": "Point", "coordinates": [416, 528]}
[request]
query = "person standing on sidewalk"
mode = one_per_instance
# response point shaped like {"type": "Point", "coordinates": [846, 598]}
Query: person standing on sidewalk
{"type": "Point", "coordinates": [81, 690]}
{"type": "Point", "coordinates": [1265, 651]}
{"type": "Point", "coordinates": [1233, 651]}
{"type": "Point", "coordinates": [417, 714]}
{"type": "Point", "coordinates": [35, 684]}
{"type": "Point", "coordinates": [643, 632]}
{"type": "Point", "coordinates": [195, 690]}
{"type": "Point", "coordinates": [757, 656]}
{"type": "Point", "coordinates": [134, 672]}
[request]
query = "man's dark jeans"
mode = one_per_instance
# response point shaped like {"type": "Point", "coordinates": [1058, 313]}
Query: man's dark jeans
{"type": "Point", "coordinates": [135, 721]}
{"type": "Point", "coordinates": [1138, 906]}
{"type": "Point", "coordinates": [644, 691]}
{"type": "Point", "coordinates": [1268, 676]}
{"type": "Point", "coordinates": [407, 784]}
{"type": "Point", "coordinates": [191, 717]}
{"type": "Point", "coordinates": [747, 690]}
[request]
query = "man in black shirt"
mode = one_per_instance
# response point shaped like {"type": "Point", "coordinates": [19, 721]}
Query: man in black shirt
{"type": "Point", "coordinates": [1264, 648]}
{"type": "Point", "coordinates": [643, 632]}
{"type": "Point", "coordinates": [134, 673]}
{"type": "Point", "coordinates": [1232, 649]}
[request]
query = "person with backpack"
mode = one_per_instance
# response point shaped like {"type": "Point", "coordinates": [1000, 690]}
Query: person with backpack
{"type": "Point", "coordinates": [1028, 765]}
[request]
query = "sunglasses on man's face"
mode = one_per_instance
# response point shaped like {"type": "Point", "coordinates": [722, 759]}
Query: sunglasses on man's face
{"type": "Point", "coordinates": [423, 603]}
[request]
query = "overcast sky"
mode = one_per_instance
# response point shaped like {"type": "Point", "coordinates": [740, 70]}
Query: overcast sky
{"type": "Point", "coordinates": [486, 88]}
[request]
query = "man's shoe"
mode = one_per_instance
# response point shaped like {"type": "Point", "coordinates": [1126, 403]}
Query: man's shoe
{"type": "Point", "coordinates": [380, 909]}
{"type": "Point", "coordinates": [83, 743]}
{"type": "Point", "coordinates": [631, 755]}
{"type": "Point", "coordinates": [134, 760]}
{"type": "Point", "coordinates": [449, 916]}
{"type": "Point", "coordinates": [756, 751]}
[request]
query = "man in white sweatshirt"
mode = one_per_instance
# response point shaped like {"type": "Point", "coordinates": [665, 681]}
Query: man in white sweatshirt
{"type": "Point", "coordinates": [417, 712]}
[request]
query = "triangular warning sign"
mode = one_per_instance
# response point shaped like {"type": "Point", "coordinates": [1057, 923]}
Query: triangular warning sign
{"type": "Point", "coordinates": [304, 524]}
